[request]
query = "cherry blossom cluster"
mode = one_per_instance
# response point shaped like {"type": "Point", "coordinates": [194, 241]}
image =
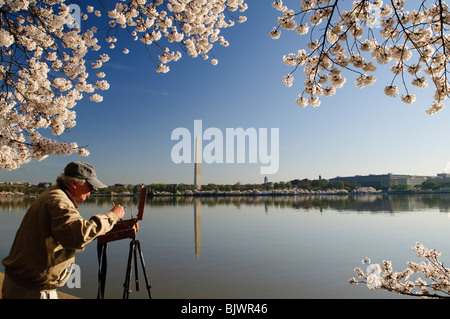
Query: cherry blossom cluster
{"type": "Point", "coordinates": [45, 69]}
{"type": "Point", "coordinates": [368, 33]}
{"type": "Point", "coordinates": [193, 24]}
{"type": "Point", "coordinates": [435, 284]}
{"type": "Point", "coordinates": [43, 75]}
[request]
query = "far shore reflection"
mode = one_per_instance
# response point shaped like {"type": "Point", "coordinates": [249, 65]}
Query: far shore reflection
{"type": "Point", "coordinates": [370, 202]}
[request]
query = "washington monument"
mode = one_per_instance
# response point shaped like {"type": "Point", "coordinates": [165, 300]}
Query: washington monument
{"type": "Point", "coordinates": [197, 167]}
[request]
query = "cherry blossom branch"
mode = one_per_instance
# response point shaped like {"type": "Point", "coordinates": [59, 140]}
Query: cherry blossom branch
{"type": "Point", "coordinates": [44, 70]}
{"type": "Point", "coordinates": [383, 277]}
{"type": "Point", "coordinates": [424, 28]}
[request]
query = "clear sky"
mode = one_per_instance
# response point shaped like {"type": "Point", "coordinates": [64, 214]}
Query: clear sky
{"type": "Point", "coordinates": [355, 132]}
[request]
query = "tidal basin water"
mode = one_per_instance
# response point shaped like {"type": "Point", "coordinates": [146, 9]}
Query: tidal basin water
{"type": "Point", "coordinates": [257, 247]}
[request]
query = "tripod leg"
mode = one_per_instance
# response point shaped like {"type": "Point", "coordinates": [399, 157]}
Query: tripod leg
{"type": "Point", "coordinates": [126, 285]}
{"type": "Point", "coordinates": [101, 254]}
{"type": "Point", "coordinates": [136, 268]}
{"type": "Point", "coordinates": [138, 244]}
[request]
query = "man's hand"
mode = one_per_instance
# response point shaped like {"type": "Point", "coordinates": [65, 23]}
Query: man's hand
{"type": "Point", "coordinates": [119, 211]}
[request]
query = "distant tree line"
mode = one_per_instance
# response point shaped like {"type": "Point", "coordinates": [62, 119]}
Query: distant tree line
{"type": "Point", "coordinates": [26, 189]}
{"type": "Point", "coordinates": [311, 185]}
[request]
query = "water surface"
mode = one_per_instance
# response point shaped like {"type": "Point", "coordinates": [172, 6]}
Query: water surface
{"type": "Point", "coordinates": [258, 247]}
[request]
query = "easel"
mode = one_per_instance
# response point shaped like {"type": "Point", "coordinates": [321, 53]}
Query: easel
{"type": "Point", "coordinates": [123, 229]}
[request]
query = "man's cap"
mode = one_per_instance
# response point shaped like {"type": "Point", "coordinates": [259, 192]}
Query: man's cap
{"type": "Point", "coordinates": [84, 171]}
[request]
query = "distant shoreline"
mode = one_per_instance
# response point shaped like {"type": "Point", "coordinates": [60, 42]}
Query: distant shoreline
{"type": "Point", "coordinates": [295, 192]}
{"type": "Point", "coordinates": [276, 193]}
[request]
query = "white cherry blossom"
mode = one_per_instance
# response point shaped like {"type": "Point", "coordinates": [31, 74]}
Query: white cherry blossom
{"type": "Point", "coordinates": [435, 282]}
{"type": "Point", "coordinates": [412, 41]}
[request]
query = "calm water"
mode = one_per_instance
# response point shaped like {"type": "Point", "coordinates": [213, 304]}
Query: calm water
{"type": "Point", "coordinates": [258, 247]}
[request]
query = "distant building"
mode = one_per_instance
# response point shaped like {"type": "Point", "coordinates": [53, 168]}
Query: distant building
{"type": "Point", "coordinates": [197, 165]}
{"type": "Point", "coordinates": [266, 182]}
{"type": "Point", "coordinates": [441, 178]}
{"type": "Point", "coordinates": [383, 181]}
{"type": "Point", "coordinates": [45, 185]}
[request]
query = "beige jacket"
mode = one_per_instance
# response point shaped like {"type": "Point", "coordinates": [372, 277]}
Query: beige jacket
{"type": "Point", "coordinates": [50, 234]}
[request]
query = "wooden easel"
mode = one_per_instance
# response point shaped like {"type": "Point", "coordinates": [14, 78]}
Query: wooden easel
{"type": "Point", "coordinates": [123, 229]}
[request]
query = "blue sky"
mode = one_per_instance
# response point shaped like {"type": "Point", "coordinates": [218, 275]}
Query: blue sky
{"type": "Point", "coordinates": [355, 132]}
